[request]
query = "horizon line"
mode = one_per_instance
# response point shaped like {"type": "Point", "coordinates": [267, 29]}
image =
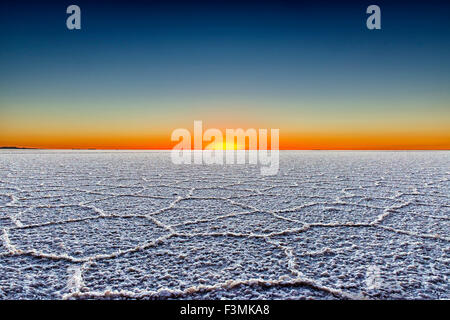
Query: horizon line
{"type": "Point", "coordinates": [280, 149]}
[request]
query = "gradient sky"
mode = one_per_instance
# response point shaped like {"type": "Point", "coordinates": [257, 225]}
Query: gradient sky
{"type": "Point", "coordinates": [139, 69]}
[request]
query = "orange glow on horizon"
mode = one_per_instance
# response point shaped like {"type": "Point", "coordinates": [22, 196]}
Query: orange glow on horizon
{"type": "Point", "coordinates": [152, 137]}
{"type": "Point", "coordinates": [287, 142]}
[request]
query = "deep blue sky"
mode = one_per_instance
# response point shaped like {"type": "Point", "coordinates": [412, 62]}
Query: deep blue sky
{"type": "Point", "coordinates": [135, 58]}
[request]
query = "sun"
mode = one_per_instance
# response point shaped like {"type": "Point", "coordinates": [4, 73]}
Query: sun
{"type": "Point", "coordinates": [225, 146]}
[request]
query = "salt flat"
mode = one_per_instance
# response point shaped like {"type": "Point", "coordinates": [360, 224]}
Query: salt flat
{"type": "Point", "coordinates": [123, 224]}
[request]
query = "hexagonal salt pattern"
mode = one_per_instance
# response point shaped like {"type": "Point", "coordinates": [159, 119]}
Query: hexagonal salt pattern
{"type": "Point", "coordinates": [183, 262]}
{"type": "Point", "coordinates": [329, 225]}
{"type": "Point", "coordinates": [28, 277]}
